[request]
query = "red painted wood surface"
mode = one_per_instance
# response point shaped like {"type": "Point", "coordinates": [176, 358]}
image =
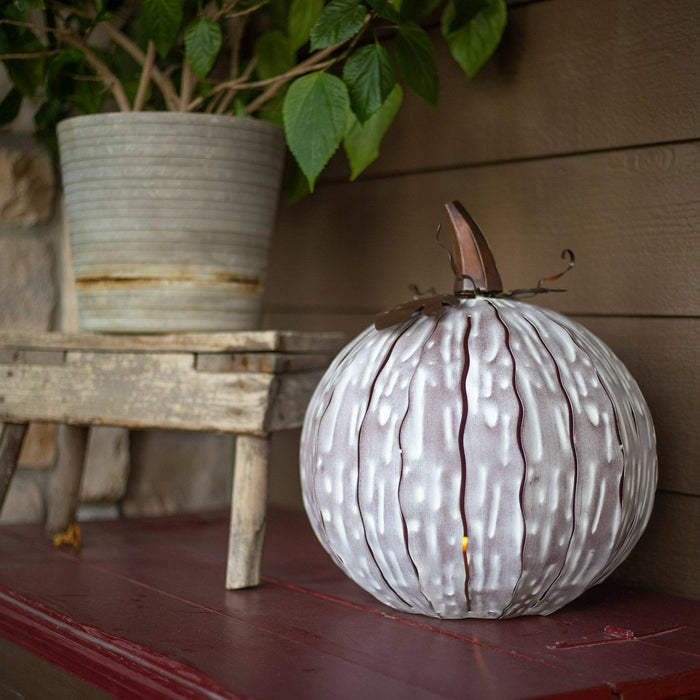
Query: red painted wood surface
{"type": "Point", "coordinates": [142, 612]}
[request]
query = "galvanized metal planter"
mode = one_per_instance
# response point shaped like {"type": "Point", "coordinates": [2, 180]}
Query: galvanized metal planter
{"type": "Point", "coordinates": [170, 218]}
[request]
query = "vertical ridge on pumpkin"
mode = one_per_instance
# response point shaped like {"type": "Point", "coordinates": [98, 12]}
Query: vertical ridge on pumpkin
{"type": "Point", "coordinates": [373, 385]}
{"type": "Point", "coordinates": [610, 382]}
{"type": "Point", "coordinates": [519, 432]}
{"type": "Point", "coordinates": [463, 460]}
{"type": "Point", "coordinates": [318, 406]}
{"type": "Point", "coordinates": [574, 453]}
{"type": "Point", "coordinates": [383, 465]}
{"type": "Point", "coordinates": [550, 497]}
{"type": "Point", "coordinates": [495, 466]}
{"type": "Point", "coordinates": [404, 524]}
{"type": "Point", "coordinates": [598, 467]}
{"type": "Point", "coordinates": [339, 459]}
{"type": "Point", "coordinates": [639, 448]}
{"type": "Point", "coordinates": [429, 494]}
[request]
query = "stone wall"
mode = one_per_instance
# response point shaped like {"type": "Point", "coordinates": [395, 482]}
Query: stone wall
{"type": "Point", "coordinates": [28, 293]}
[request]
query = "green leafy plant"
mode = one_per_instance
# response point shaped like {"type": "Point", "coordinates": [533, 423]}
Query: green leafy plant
{"type": "Point", "coordinates": [330, 72]}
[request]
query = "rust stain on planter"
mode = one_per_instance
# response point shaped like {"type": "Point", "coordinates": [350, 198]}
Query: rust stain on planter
{"type": "Point", "coordinates": [241, 282]}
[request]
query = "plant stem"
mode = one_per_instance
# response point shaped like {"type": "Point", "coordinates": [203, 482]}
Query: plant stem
{"type": "Point", "coordinates": [159, 78]}
{"type": "Point", "coordinates": [313, 63]}
{"type": "Point", "coordinates": [108, 78]}
{"type": "Point", "coordinates": [145, 78]}
{"type": "Point", "coordinates": [187, 83]}
{"type": "Point", "coordinates": [23, 56]}
{"type": "Point", "coordinates": [228, 98]}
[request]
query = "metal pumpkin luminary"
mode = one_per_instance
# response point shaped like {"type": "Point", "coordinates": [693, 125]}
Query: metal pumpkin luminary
{"type": "Point", "coordinates": [472, 455]}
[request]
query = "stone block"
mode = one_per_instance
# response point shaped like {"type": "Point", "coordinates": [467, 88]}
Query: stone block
{"type": "Point", "coordinates": [173, 471]}
{"type": "Point", "coordinates": [26, 498]}
{"type": "Point", "coordinates": [27, 281]}
{"type": "Point", "coordinates": [27, 187]}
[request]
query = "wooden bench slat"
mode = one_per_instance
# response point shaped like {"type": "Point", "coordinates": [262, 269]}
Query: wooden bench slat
{"type": "Point", "coordinates": [242, 341]}
{"type": "Point", "coordinates": [274, 362]}
{"type": "Point", "coordinates": [136, 391]}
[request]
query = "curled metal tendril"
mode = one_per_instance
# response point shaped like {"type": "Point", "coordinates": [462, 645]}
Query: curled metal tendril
{"type": "Point", "coordinates": [417, 294]}
{"type": "Point", "coordinates": [566, 253]}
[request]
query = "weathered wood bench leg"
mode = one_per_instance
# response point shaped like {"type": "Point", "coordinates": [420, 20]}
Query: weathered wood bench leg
{"type": "Point", "coordinates": [65, 481]}
{"type": "Point", "coordinates": [11, 436]}
{"type": "Point", "coordinates": [248, 505]}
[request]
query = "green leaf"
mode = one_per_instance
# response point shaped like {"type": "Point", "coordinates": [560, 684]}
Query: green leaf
{"type": "Point", "coordinates": [339, 22]}
{"type": "Point", "coordinates": [48, 114]}
{"type": "Point", "coordinates": [296, 186]}
{"type": "Point", "coordinates": [274, 55]}
{"type": "Point", "coordinates": [71, 80]}
{"type": "Point", "coordinates": [316, 111]}
{"type": "Point", "coordinates": [26, 74]}
{"type": "Point", "coordinates": [302, 16]}
{"type": "Point", "coordinates": [417, 9]}
{"type": "Point", "coordinates": [278, 12]}
{"type": "Point", "coordinates": [385, 10]}
{"type": "Point", "coordinates": [473, 29]}
{"type": "Point", "coordinates": [202, 45]}
{"type": "Point", "coordinates": [25, 5]}
{"type": "Point", "coordinates": [272, 111]}
{"type": "Point", "coordinates": [417, 61]}
{"type": "Point", "coordinates": [162, 20]}
{"type": "Point", "coordinates": [370, 77]}
{"type": "Point", "coordinates": [10, 105]}
{"type": "Point", "coordinates": [361, 142]}
{"type": "Point", "coordinates": [45, 120]}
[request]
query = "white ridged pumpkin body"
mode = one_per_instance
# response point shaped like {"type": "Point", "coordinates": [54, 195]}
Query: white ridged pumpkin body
{"type": "Point", "coordinates": [500, 422]}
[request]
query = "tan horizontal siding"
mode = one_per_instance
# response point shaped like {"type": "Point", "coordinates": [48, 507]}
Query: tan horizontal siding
{"type": "Point", "coordinates": [666, 557]}
{"type": "Point", "coordinates": [632, 218]}
{"type": "Point", "coordinates": [570, 76]}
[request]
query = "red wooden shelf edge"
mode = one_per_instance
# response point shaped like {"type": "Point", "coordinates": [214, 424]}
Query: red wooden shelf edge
{"type": "Point", "coordinates": [110, 663]}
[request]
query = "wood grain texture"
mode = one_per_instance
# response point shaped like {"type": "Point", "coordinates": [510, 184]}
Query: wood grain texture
{"type": "Point", "coordinates": [136, 390]}
{"type": "Point", "coordinates": [242, 341]}
{"type": "Point", "coordinates": [569, 76]}
{"type": "Point", "coordinates": [248, 511]}
{"type": "Point", "coordinates": [269, 362]}
{"type": "Point", "coordinates": [291, 396]}
{"type": "Point", "coordinates": [617, 211]}
{"type": "Point", "coordinates": [310, 633]}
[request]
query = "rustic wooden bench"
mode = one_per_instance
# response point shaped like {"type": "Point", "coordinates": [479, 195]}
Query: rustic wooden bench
{"type": "Point", "coordinates": [247, 383]}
